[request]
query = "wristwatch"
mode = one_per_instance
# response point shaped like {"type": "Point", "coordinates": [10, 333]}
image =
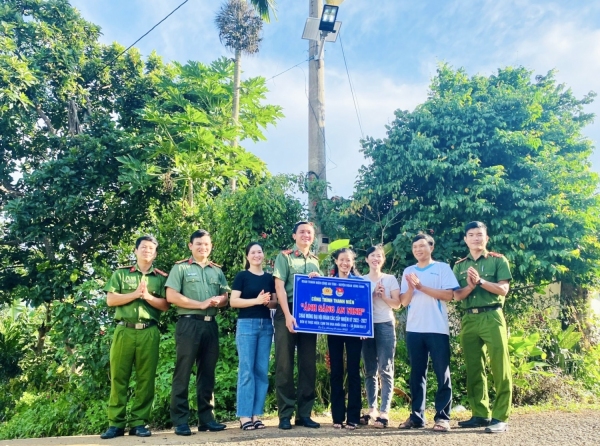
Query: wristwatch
{"type": "Point", "coordinates": [480, 282]}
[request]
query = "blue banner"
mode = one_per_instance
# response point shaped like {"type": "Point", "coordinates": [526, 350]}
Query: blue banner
{"type": "Point", "coordinates": [330, 305]}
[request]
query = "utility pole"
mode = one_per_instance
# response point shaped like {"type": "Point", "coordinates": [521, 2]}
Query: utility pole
{"type": "Point", "coordinates": [316, 119]}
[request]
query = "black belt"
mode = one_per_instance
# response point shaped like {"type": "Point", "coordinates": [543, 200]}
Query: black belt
{"type": "Point", "coordinates": [482, 309]}
{"type": "Point", "coordinates": [199, 317]}
{"type": "Point", "coordinates": [138, 326]}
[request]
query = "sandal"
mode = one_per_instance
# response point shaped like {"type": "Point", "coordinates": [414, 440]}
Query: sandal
{"type": "Point", "coordinates": [247, 426]}
{"type": "Point", "coordinates": [258, 424]}
{"type": "Point", "coordinates": [381, 423]}
{"type": "Point", "coordinates": [338, 425]}
{"type": "Point", "coordinates": [410, 424]}
{"type": "Point", "coordinates": [441, 426]}
{"type": "Point", "coordinates": [365, 419]}
{"type": "Point", "coordinates": [351, 426]}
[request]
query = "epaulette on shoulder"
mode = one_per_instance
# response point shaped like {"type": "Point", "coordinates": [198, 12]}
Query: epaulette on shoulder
{"type": "Point", "coordinates": [287, 252]}
{"type": "Point", "coordinates": [214, 264]}
{"type": "Point", "coordinates": [126, 267]}
{"type": "Point", "coordinates": [181, 261]}
{"type": "Point", "coordinates": [495, 254]}
{"type": "Point", "coordinates": [160, 272]}
{"type": "Point", "coordinates": [313, 256]}
{"type": "Point", "coordinates": [461, 260]}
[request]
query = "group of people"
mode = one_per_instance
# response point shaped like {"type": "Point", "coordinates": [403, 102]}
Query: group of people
{"type": "Point", "coordinates": [198, 288]}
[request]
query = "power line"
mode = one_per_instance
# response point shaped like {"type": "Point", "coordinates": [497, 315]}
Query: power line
{"type": "Point", "coordinates": [310, 105]}
{"type": "Point", "coordinates": [352, 90]}
{"type": "Point", "coordinates": [145, 34]}
{"type": "Point", "coordinates": [285, 71]}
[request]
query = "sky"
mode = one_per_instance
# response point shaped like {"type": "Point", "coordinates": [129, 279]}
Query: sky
{"type": "Point", "coordinates": [392, 49]}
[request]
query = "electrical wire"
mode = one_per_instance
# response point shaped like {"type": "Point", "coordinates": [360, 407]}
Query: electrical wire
{"type": "Point", "coordinates": [322, 131]}
{"type": "Point", "coordinates": [144, 35]}
{"type": "Point", "coordinates": [285, 71]}
{"type": "Point", "coordinates": [352, 90]}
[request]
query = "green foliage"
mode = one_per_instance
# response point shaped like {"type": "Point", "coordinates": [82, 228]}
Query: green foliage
{"type": "Point", "coordinates": [523, 350]}
{"type": "Point", "coordinates": [190, 118]}
{"type": "Point", "coordinates": [504, 149]}
{"type": "Point", "coordinates": [235, 219]}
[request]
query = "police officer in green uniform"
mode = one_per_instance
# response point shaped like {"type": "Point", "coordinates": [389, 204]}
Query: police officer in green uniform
{"type": "Point", "coordinates": [484, 277]}
{"type": "Point", "coordinates": [137, 291]}
{"type": "Point", "coordinates": [198, 288]}
{"type": "Point", "coordinates": [298, 260]}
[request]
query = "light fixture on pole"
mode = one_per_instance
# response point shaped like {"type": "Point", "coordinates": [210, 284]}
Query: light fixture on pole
{"type": "Point", "coordinates": [328, 18]}
{"type": "Point", "coordinates": [325, 29]}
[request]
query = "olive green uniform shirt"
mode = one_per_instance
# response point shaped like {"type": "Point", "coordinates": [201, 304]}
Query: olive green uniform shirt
{"type": "Point", "coordinates": [492, 267]}
{"type": "Point", "coordinates": [291, 262]}
{"type": "Point", "coordinates": [198, 283]}
{"type": "Point", "coordinates": [126, 280]}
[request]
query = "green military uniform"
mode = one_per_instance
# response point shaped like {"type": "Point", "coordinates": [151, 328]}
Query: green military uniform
{"type": "Point", "coordinates": [135, 341]}
{"type": "Point", "coordinates": [483, 325]}
{"type": "Point", "coordinates": [287, 264]}
{"type": "Point", "coordinates": [196, 338]}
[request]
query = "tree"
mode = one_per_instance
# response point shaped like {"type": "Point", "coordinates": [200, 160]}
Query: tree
{"type": "Point", "coordinates": [505, 149]}
{"type": "Point", "coordinates": [239, 30]}
{"type": "Point", "coordinates": [190, 125]}
{"type": "Point", "coordinates": [68, 110]}
{"type": "Point", "coordinates": [264, 7]}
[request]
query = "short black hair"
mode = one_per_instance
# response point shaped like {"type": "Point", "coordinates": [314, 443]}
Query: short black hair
{"type": "Point", "coordinates": [421, 236]}
{"type": "Point", "coordinates": [145, 238]}
{"type": "Point", "coordinates": [199, 234]}
{"type": "Point", "coordinates": [475, 224]}
{"type": "Point", "coordinates": [300, 223]}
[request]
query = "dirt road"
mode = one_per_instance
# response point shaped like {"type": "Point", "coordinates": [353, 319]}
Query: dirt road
{"type": "Point", "coordinates": [548, 428]}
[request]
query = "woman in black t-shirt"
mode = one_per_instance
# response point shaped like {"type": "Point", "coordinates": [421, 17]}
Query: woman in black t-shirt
{"type": "Point", "coordinates": [253, 292]}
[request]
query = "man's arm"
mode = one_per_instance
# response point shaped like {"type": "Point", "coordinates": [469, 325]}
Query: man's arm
{"type": "Point", "coordinates": [500, 288]}
{"type": "Point", "coordinates": [282, 298]}
{"type": "Point", "coordinates": [178, 299]}
{"type": "Point", "coordinates": [463, 293]}
{"type": "Point", "coordinates": [160, 303]}
{"type": "Point", "coordinates": [114, 299]}
{"type": "Point", "coordinates": [436, 293]}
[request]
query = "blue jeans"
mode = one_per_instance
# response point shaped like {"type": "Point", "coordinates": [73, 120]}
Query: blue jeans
{"type": "Point", "coordinates": [378, 355]}
{"type": "Point", "coordinates": [253, 338]}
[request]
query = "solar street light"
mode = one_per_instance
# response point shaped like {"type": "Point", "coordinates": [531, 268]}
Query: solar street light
{"type": "Point", "coordinates": [328, 18]}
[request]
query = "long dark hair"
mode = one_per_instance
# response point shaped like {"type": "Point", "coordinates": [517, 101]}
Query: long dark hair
{"type": "Point", "coordinates": [248, 248]}
{"type": "Point", "coordinates": [336, 254]}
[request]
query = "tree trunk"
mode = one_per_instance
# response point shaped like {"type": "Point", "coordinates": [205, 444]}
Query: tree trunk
{"type": "Point", "coordinates": [235, 112]}
{"type": "Point", "coordinates": [574, 306]}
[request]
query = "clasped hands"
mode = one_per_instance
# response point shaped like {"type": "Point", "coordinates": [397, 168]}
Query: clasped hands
{"type": "Point", "coordinates": [473, 277]}
{"type": "Point", "coordinates": [413, 281]}
{"type": "Point", "coordinates": [263, 298]}
{"type": "Point", "coordinates": [143, 290]}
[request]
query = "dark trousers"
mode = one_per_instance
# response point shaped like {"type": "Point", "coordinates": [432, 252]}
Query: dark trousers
{"type": "Point", "coordinates": [420, 347]}
{"type": "Point", "coordinates": [196, 341]}
{"type": "Point", "coordinates": [338, 396]}
{"type": "Point", "coordinates": [286, 344]}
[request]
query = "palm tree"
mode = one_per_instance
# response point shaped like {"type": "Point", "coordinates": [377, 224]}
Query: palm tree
{"type": "Point", "coordinates": [239, 30]}
{"type": "Point", "coordinates": [264, 7]}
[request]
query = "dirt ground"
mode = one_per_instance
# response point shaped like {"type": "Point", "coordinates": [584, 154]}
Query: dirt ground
{"type": "Point", "coordinates": [547, 428]}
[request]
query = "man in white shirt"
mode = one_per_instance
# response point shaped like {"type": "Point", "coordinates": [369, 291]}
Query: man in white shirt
{"type": "Point", "coordinates": [425, 289]}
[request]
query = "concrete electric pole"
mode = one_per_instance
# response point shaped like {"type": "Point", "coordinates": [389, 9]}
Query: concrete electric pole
{"type": "Point", "coordinates": [318, 30]}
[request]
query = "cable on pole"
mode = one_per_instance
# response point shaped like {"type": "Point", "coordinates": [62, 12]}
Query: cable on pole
{"type": "Point", "coordinates": [145, 34]}
{"type": "Point", "coordinates": [352, 89]}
